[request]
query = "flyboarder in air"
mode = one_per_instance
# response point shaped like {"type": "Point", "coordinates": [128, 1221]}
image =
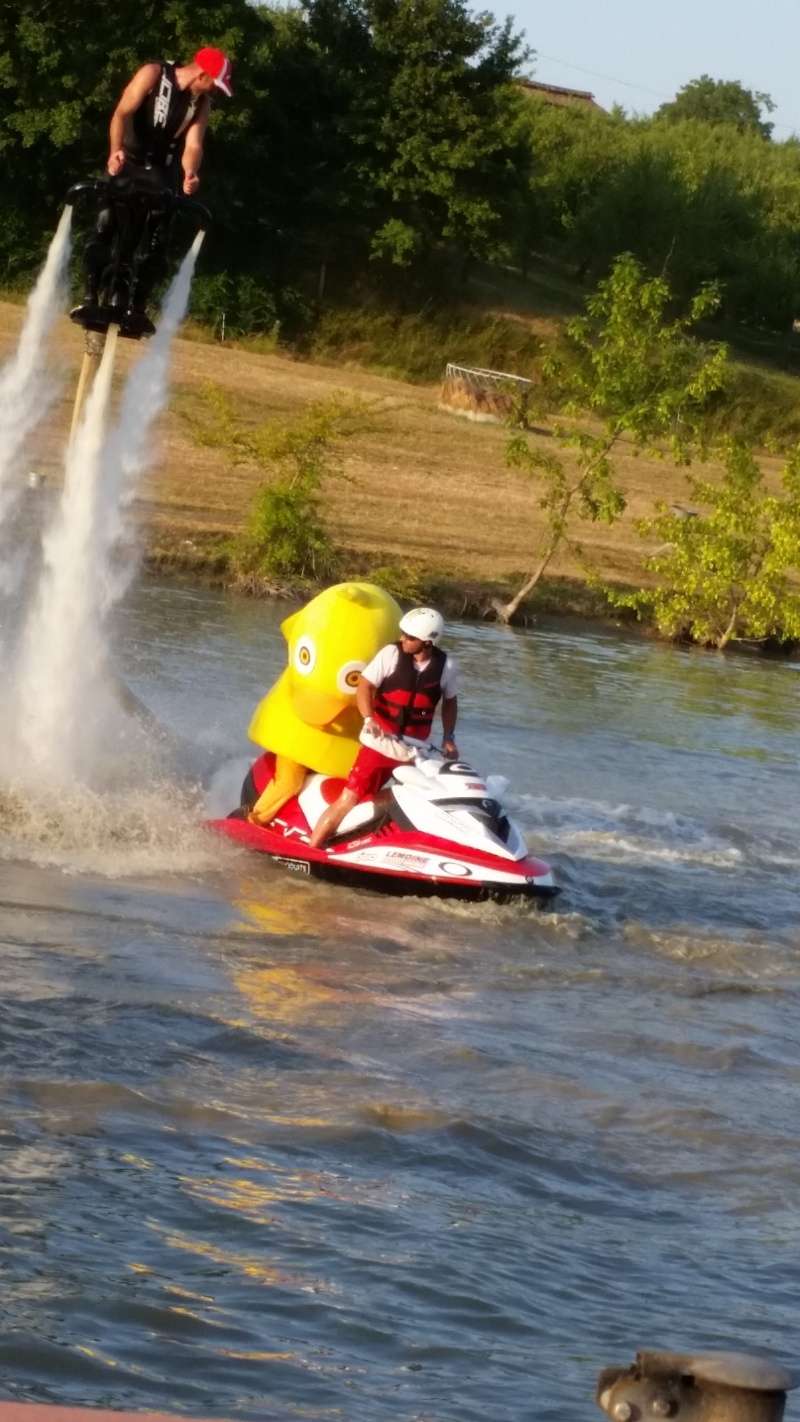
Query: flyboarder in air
{"type": "Point", "coordinates": [156, 139]}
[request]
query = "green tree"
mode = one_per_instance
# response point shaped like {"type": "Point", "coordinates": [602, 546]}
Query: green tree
{"type": "Point", "coordinates": [721, 101]}
{"type": "Point", "coordinates": [643, 378]}
{"type": "Point", "coordinates": [700, 201]}
{"type": "Point", "coordinates": [423, 101]}
{"type": "Point", "coordinates": [729, 572]}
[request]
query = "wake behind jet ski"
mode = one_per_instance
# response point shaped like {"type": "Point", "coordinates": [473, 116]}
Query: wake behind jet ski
{"type": "Point", "coordinates": [438, 829]}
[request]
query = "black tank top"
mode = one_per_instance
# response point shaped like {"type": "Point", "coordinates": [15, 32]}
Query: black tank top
{"type": "Point", "coordinates": [159, 124]}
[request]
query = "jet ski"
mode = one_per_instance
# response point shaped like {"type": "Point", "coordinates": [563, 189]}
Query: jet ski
{"type": "Point", "coordinates": [437, 829]}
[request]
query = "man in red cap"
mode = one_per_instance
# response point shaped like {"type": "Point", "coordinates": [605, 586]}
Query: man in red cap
{"type": "Point", "coordinates": [156, 138]}
{"type": "Point", "coordinates": [163, 114]}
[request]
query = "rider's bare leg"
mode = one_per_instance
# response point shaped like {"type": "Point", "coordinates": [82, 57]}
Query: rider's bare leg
{"type": "Point", "coordinates": [329, 822]}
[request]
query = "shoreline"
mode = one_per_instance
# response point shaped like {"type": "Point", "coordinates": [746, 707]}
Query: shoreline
{"type": "Point", "coordinates": [470, 598]}
{"type": "Point", "coordinates": [557, 597]}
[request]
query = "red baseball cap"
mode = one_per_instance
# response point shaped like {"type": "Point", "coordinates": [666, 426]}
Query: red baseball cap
{"type": "Point", "coordinates": [218, 66]}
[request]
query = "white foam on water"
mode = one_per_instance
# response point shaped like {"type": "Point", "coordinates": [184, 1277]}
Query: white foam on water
{"type": "Point", "coordinates": [27, 387]}
{"type": "Point", "coordinates": [154, 829]}
{"type": "Point", "coordinates": [625, 833]}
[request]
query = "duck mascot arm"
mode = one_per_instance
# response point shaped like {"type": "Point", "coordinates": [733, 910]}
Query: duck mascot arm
{"type": "Point", "coordinates": [308, 719]}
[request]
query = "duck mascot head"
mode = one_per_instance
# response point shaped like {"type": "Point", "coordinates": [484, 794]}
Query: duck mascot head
{"type": "Point", "coordinates": [309, 715]}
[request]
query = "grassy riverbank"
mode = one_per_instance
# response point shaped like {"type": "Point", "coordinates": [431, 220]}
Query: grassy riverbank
{"type": "Point", "coordinates": [424, 496]}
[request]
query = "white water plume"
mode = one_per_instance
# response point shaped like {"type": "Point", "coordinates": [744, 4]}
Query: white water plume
{"type": "Point", "coordinates": [70, 725]}
{"type": "Point", "coordinates": [26, 389]}
{"type": "Point", "coordinates": [130, 445]}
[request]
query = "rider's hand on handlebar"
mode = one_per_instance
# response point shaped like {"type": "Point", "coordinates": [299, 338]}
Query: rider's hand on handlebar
{"type": "Point", "coordinates": [116, 161]}
{"type": "Point", "coordinates": [191, 183]}
{"type": "Point", "coordinates": [450, 748]}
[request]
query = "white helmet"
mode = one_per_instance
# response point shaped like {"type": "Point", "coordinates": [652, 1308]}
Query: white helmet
{"type": "Point", "coordinates": [423, 622]}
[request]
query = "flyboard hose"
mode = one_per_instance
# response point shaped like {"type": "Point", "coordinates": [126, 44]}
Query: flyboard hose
{"type": "Point", "coordinates": [95, 345]}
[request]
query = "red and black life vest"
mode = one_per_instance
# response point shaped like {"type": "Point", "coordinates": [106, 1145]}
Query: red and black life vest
{"type": "Point", "coordinates": [406, 699]}
{"type": "Point", "coordinates": [159, 125]}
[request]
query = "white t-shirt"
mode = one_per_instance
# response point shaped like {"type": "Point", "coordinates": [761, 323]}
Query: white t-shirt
{"type": "Point", "coordinates": [385, 661]}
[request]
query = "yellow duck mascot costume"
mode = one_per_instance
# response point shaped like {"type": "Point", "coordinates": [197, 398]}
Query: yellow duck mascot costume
{"type": "Point", "coordinates": [309, 719]}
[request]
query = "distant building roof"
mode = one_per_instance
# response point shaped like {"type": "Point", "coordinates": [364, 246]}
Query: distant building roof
{"type": "Point", "coordinates": [554, 94]}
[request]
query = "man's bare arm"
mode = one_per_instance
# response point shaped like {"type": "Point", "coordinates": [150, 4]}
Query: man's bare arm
{"type": "Point", "coordinates": [193, 149]}
{"type": "Point", "coordinates": [365, 694]}
{"type": "Point", "coordinates": [132, 96]}
{"type": "Point", "coordinates": [449, 718]}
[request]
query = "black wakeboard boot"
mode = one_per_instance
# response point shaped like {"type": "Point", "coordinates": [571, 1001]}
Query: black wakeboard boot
{"type": "Point", "coordinates": [89, 313]}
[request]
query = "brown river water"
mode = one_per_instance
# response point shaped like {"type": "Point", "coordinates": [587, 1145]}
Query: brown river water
{"type": "Point", "coordinates": [274, 1148]}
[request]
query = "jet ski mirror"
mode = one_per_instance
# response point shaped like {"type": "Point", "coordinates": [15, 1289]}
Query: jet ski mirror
{"type": "Point", "coordinates": [704, 1387]}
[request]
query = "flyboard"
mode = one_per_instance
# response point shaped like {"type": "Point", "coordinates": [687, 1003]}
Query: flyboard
{"type": "Point", "coordinates": [135, 210]}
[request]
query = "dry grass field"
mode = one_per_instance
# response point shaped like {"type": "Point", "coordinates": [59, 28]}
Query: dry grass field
{"type": "Point", "coordinates": [423, 487]}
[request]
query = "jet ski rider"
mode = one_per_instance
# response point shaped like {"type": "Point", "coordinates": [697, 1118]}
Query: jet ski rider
{"type": "Point", "coordinates": [398, 692]}
{"type": "Point", "coordinates": [159, 123]}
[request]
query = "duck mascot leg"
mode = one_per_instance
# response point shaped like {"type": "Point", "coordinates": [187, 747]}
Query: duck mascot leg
{"type": "Point", "coordinates": [286, 782]}
{"type": "Point", "coordinates": [308, 719]}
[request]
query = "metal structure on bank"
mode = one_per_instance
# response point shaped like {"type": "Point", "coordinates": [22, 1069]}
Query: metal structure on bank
{"type": "Point", "coordinates": [488, 396]}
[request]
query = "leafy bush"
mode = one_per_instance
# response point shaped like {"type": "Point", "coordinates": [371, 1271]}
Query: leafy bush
{"type": "Point", "coordinates": [247, 305]}
{"type": "Point", "coordinates": [405, 581]}
{"type": "Point", "coordinates": [285, 536]}
{"type": "Point", "coordinates": [727, 572]}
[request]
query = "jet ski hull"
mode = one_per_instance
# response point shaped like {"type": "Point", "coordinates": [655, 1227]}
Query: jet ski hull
{"type": "Point", "coordinates": [393, 861]}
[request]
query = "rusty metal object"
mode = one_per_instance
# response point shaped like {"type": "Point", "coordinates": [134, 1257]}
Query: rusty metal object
{"type": "Point", "coordinates": [703, 1387]}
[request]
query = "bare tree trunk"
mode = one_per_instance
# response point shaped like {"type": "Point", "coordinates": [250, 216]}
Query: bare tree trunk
{"type": "Point", "coordinates": [506, 610]}
{"type": "Point", "coordinates": [729, 630]}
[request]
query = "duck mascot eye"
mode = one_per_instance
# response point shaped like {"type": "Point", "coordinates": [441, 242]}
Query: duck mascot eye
{"type": "Point", "coordinates": [305, 656]}
{"type": "Point", "coordinates": [309, 717]}
{"type": "Point", "coordinates": [348, 675]}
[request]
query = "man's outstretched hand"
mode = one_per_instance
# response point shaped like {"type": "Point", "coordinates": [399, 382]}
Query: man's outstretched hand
{"type": "Point", "coordinates": [191, 183]}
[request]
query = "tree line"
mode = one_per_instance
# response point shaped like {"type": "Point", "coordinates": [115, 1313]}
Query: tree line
{"type": "Point", "coordinates": [383, 146]}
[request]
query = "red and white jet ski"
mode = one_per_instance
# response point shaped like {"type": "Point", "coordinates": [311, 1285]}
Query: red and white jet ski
{"type": "Point", "coordinates": [440, 830]}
